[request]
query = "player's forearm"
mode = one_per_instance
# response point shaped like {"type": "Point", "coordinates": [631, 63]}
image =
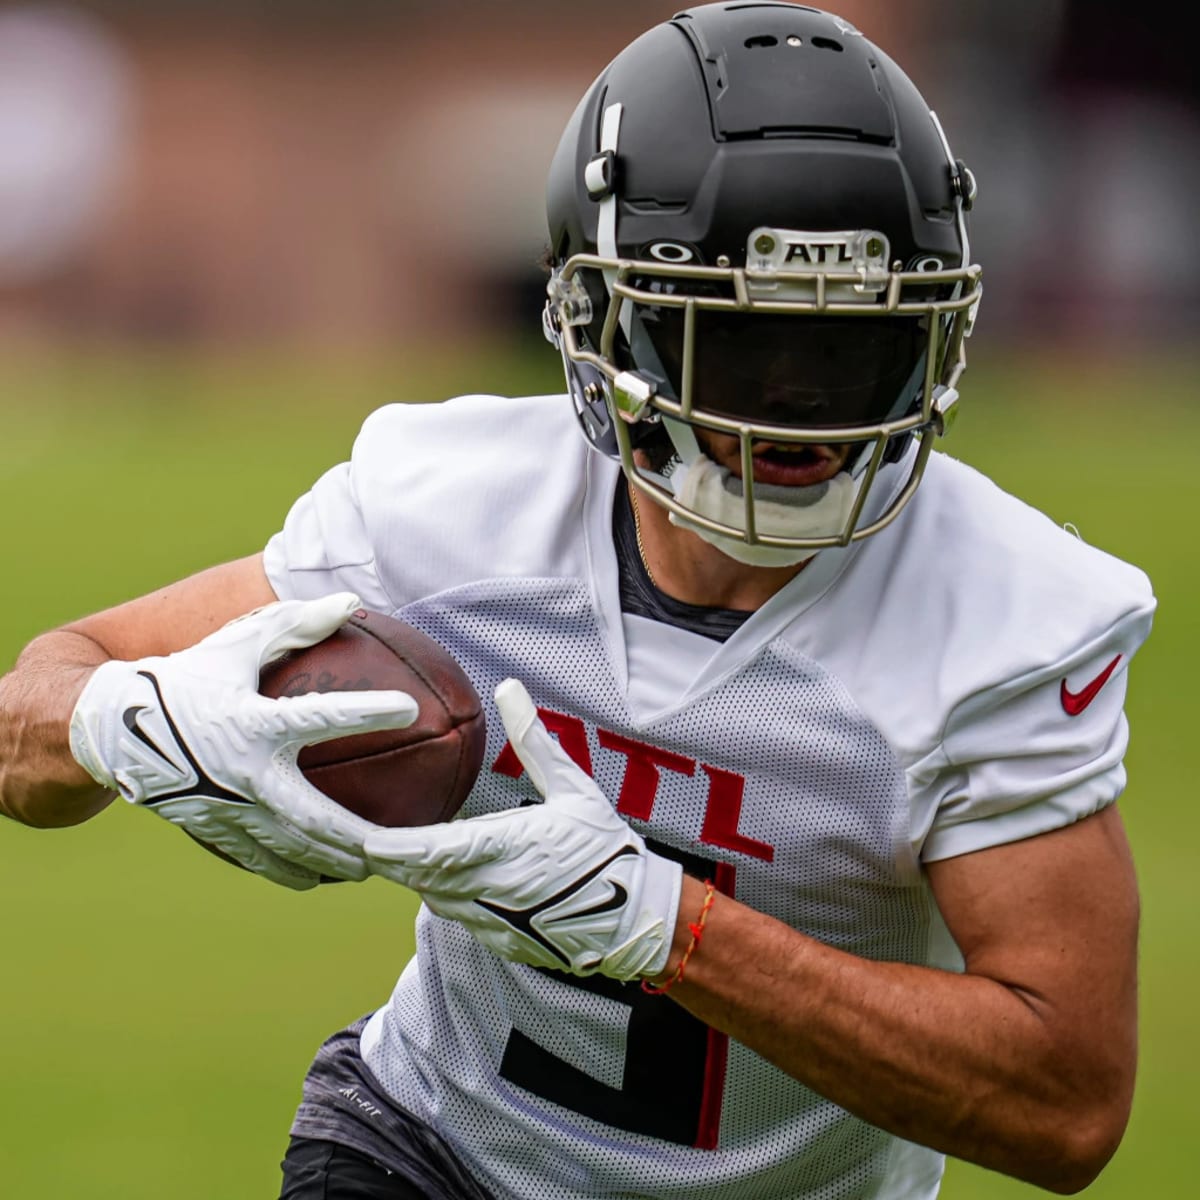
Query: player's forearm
{"type": "Point", "coordinates": [40, 782]}
{"type": "Point", "coordinates": [961, 1063]}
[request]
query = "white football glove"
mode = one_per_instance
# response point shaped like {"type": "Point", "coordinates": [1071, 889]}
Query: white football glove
{"type": "Point", "coordinates": [565, 884]}
{"type": "Point", "coordinates": [189, 737]}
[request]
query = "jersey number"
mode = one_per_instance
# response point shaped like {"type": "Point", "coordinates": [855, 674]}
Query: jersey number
{"type": "Point", "coordinates": [674, 1071]}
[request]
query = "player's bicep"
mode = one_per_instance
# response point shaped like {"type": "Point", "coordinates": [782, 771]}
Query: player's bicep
{"type": "Point", "coordinates": [181, 613]}
{"type": "Point", "coordinates": [1055, 918]}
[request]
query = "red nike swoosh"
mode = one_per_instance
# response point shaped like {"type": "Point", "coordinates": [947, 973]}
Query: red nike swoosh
{"type": "Point", "coordinates": [1075, 702]}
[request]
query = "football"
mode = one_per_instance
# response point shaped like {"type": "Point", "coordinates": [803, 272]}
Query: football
{"type": "Point", "coordinates": [413, 776]}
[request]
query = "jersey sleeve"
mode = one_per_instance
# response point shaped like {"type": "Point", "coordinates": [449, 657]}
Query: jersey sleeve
{"type": "Point", "coordinates": [436, 496]}
{"type": "Point", "coordinates": [325, 546]}
{"type": "Point", "coordinates": [1034, 753]}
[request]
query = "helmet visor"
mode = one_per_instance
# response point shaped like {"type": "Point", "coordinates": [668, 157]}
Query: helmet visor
{"type": "Point", "coordinates": [783, 370]}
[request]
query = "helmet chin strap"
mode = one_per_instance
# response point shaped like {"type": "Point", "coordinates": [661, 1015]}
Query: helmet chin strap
{"type": "Point", "coordinates": [712, 491]}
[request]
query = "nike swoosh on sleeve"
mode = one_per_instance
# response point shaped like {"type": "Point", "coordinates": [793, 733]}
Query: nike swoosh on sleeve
{"type": "Point", "coordinates": [1075, 702]}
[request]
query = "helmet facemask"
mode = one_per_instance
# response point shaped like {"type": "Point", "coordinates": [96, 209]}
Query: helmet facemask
{"type": "Point", "coordinates": [781, 352]}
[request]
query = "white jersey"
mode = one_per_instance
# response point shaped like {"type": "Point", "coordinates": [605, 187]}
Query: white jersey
{"type": "Point", "coordinates": [952, 683]}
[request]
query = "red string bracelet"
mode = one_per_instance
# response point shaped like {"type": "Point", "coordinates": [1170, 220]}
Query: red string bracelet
{"type": "Point", "coordinates": [697, 931]}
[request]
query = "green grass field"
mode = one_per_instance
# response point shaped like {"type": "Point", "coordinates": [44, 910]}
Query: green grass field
{"type": "Point", "coordinates": [159, 1009]}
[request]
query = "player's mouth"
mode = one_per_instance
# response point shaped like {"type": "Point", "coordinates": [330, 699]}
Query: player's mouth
{"type": "Point", "coordinates": [796, 465]}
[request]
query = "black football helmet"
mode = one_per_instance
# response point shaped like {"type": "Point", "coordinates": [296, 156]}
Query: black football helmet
{"type": "Point", "coordinates": [757, 228]}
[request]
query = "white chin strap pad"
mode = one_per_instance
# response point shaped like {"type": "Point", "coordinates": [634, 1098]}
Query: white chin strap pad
{"type": "Point", "coordinates": [711, 491]}
{"type": "Point", "coordinates": [802, 512]}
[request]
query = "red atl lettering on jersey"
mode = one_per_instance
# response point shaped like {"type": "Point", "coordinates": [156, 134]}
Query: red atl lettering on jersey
{"type": "Point", "coordinates": [724, 811]}
{"type": "Point", "coordinates": [644, 765]}
{"type": "Point", "coordinates": [572, 737]}
{"type": "Point", "coordinates": [640, 785]}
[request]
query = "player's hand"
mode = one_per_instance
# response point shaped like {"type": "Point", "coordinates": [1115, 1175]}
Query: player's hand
{"type": "Point", "coordinates": [564, 884]}
{"type": "Point", "coordinates": [189, 737]}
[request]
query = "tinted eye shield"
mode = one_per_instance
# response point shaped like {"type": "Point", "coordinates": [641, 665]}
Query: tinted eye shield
{"type": "Point", "coordinates": [769, 369]}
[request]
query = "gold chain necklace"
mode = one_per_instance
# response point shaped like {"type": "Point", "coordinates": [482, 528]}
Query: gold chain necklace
{"type": "Point", "coordinates": [637, 530]}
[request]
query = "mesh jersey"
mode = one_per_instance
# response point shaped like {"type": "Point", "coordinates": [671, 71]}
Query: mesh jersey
{"type": "Point", "coordinates": [901, 700]}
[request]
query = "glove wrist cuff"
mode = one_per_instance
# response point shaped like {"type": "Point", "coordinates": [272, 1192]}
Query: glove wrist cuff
{"type": "Point", "coordinates": [662, 889]}
{"type": "Point", "coordinates": [86, 730]}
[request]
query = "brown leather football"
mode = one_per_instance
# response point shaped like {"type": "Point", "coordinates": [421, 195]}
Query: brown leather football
{"type": "Point", "coordinates": [413, 776]}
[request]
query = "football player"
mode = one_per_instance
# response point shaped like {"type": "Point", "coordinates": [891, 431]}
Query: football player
{"type": "Point", "coordinates": [826, 880]}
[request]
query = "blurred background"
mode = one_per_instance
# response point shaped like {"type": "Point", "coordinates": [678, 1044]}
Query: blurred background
{"type": "Point", "coordinates": [229, 230]}
{"type": "Point", "coordinates": [368, 172]}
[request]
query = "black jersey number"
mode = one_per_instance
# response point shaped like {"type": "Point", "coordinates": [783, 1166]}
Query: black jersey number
{"type": "Point", "coordinates": [674, 1070]}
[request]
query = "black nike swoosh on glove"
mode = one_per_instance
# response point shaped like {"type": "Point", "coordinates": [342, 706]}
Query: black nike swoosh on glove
{"type": "Point", "coordinates": [130, 718]}
{"type": "Point", "coordinates": [521, 919]}
{"type": "Point", "coordinates": [204, 785]}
